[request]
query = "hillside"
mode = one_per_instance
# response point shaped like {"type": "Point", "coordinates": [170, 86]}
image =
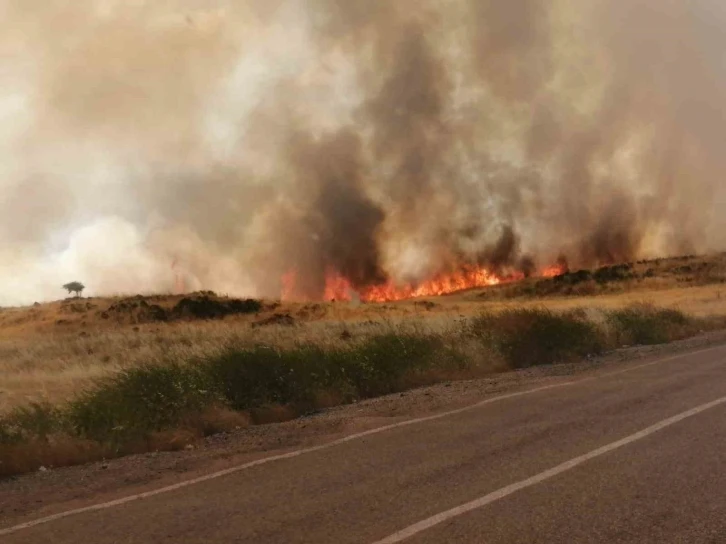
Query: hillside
{"type": "Point", "coordinates": [659, 279]}
{"type": "Point", "coordinates": [51, 351]}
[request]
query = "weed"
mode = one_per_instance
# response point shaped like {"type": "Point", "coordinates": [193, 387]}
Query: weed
{"type": "Point", "coordinates": [377, 366]}
{"type": "Point", "coordinates": [530, 337]}
{"type": "Point", "coordinates": [33, 422]}
{"type": "Point", "coordinates": [646, 325]}
{"type": "Point", "coordinates": [259, 376]}
{"type": "Point", "coordinates": [169, 405]}
{"type": "Point", "coordinates": [58, 450]}
{"type": "Point", "coordinates": [139, 400]}
{"type": "Point", "coordinates": [250, 378]}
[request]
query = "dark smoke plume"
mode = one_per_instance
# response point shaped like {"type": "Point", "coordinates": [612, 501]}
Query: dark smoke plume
{"type": "Point", "coordinates": [373, 139]}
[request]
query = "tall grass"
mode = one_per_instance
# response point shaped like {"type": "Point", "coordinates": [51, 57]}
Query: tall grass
{"type": "Point", "coordinates": [136, 408]}
{"type": "Point", "coordinates": [530, 337]}
{"type": "Point", "coordinates": [647, 325]}
{"type": "Point", "coordinates": [136, 401]}
{"type": "Point", "coordinates": [248, 378]}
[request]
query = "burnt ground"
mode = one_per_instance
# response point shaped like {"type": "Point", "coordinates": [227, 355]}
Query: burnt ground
{"type": "Point", "coordinates": [201, 306]}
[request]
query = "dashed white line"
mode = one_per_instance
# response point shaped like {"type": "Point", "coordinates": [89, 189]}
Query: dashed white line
{"type": "Point", "coordinates": [298, 453]}
{"type": "Point", "coordinates": [433, 521]}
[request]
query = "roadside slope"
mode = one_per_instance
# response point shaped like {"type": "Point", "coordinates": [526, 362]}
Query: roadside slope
{"type": "Point", "coordinates": [368, 488]}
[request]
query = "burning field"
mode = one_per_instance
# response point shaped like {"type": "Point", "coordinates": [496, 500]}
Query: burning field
{"type": "Point", "coordinates": [92, 378]}
{"type": "Point", "coordinates": [95, 378]}
{"type": "Point", "coordinates": [339, 288]}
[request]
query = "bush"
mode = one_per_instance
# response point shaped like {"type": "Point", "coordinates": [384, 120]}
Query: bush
{"type": "Point", "coordinates": [573, 278]}
{"type": "Point", "coordinates": [250, 378]}
{"type": "Point", "coordinates": [140, 400]}
{"type": "Point", "coordinates": [615, 273]}
{"type": "Point", "coordinates": [529, 337]}
{"type": "Point", "coordinates": [33, 422]}
{"type": "Point", "coordinates": [166, 406]}
{"type": "Point", "coordinates": [378, 366]}
{"type": "Point", "coordinates": [205, 307]}
{"type": "Point", "coordinates": [645, 325]}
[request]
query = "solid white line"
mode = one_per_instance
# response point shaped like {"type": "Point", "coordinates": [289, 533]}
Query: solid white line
{"type": "Point", "coordinates": [546, 475]}
{"type": "Point", "coordinates": [357, 436]}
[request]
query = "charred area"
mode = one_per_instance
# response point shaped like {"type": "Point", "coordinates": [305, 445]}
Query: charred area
{"type": "Point", "coordinates": [199, 306]}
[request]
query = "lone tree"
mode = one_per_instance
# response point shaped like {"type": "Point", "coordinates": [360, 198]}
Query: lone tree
{"type": "Point", "coordinates": [74, 287]}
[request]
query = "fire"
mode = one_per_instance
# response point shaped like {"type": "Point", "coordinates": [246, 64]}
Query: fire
{"type": "Point", "coordinates": [553, 271]}
{"type": "Point", "coordinates": [562, 267]}
{"type": "Point", "coordinates": [339, 288]}
{"type": "Point", "coordinates": [442, 284]}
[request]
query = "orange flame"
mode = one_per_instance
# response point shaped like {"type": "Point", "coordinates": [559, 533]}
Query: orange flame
{"type": "Point", "coordinates": [442, 284]}
{"type": "Point", "coordinates": [339, 288]}
{"type": "Point", "coordinates": [554, 271]}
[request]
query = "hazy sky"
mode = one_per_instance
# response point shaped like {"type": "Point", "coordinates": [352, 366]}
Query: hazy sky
{"type": "Point", "coordinates": [380, 139]}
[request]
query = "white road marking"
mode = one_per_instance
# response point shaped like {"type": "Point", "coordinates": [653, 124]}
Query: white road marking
{"type": "Point", "coordinates": [298, 453]}
{"type": "Point", "coordinates": [433, 521]}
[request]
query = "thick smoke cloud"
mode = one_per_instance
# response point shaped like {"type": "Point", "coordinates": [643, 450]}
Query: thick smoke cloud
{"type": "Point", "coordinates": [144, 144]}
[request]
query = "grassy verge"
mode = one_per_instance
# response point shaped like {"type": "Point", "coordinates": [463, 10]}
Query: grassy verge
{"type": "Point", "coordinates": [168, 406]}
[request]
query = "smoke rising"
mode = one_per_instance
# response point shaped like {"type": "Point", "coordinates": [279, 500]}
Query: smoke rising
{"type": "Point", "coordinates": [379, 140]}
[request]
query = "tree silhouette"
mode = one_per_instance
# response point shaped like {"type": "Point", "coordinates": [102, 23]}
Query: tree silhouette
{"type": "Point", "coordinates": [74, 287]}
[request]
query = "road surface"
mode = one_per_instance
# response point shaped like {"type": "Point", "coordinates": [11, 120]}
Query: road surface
{"type": "Point", "coordinates": [633, 456]}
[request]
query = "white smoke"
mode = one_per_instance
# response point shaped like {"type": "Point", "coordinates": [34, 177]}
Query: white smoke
{"type": "Point", "coordinates": [139, 134]}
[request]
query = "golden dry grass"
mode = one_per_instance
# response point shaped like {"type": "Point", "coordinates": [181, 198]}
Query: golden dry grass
{"type": "Point", "coordinates": [50, 352]}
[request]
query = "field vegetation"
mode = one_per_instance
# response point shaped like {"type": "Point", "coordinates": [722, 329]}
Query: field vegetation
{"type": "Point", "coordinates": [86, 379]}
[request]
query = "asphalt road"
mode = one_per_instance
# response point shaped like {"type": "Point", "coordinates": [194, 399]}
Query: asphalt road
{"type": "Point", "coordinates": [637, 456]}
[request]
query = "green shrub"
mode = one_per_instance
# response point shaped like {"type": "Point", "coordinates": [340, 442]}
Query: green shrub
{"type": "Point", "coordinates": [253, 377]}
{"type": "Point", "coordinates": [135, 408]}
{"type": "Point", "coordinates": [140, 400]}
{"type": "Point", "coordinates": [530, 337]}
{"type": "Point", "coordinates": [378, 366]}
{"type": "Point", "coordinates": [646, 325]}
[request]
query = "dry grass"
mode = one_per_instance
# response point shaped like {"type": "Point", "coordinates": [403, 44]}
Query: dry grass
{"type": "Point", "coordinates": [63, 449]}
{"type": "Point", "coordinates": [59, 450]}
{"type": "Point", "coordinates": [169, 403]}
{"type": "Point", "coordinates": [53, 366]}
{"type": "Point", "coordinates": [700, 301]}
{"type": "Point", "coordinates": [69, 368]}
{"type": "Point", "coordinates": [48, 353]}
